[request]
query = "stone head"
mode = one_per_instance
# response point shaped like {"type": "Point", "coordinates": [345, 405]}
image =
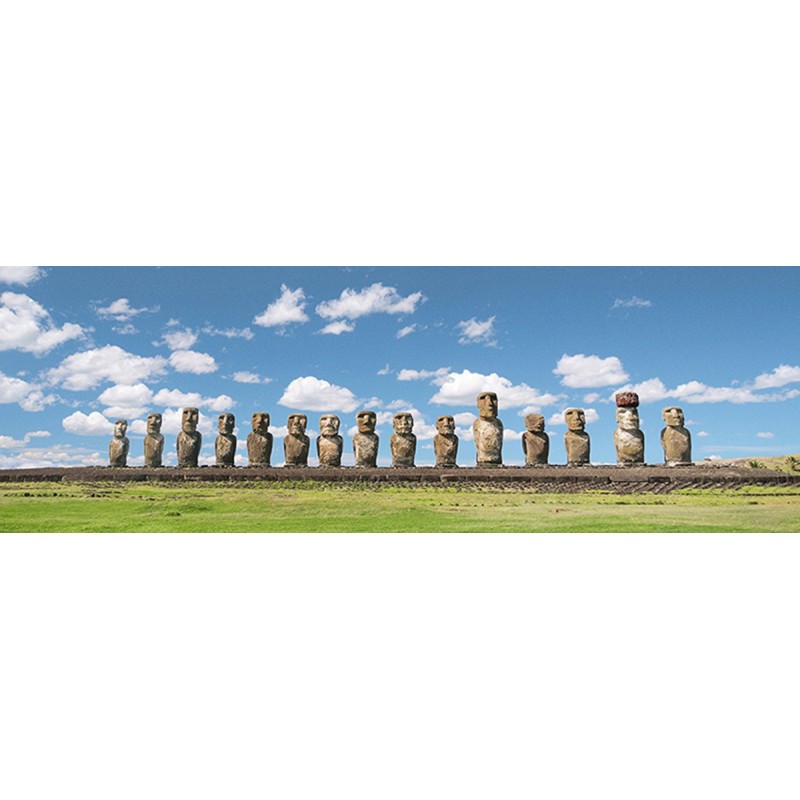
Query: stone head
{"type": "Point", "coordinates": [120, 427]}
{"type": "Point", "coordinates": [673, 417]}
{"type": "Point", "coordinates": [403, 422]}
{"type": "Point", "coordinates": [628, 418]}
{"type": "Point", "coordinates": [446, 425]}
{"type": "Point", "coordinates": [575, 419]}
{"type": "Point", "coordinates": [189, 419]}
{"type": "Point", "coordinates": [226, 423]}
{"type": "Point", "coordinates": [297, 424]}
{"type": "Point", "coordinates": [154, 423]}
{"type": "Point", "coordinates": [487, 405]}
{"type": "Point", "coordinates": [260, 422]}
{"type": "Point", "coordinates": [329, 425]}
{"type": "Point", "coordinates": [534, 423]}
{"type": "Point", "coordinates": [366, 421]}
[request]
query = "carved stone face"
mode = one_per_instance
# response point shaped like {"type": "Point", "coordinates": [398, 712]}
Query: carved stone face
{"type": "Point", "coordinates": [575, 419]}
{"type": "Point", "coordinates": [366, 421]}
{"type": "Point", "coordinates": [487, 405]}
{"type": "Point", "coordinates": [297, 424]}
{"type": "Point", "coordinates": [403, 423]}
{"type": "Point", "coordinates": [226, 423]}
{"type": "Point", "coordinates": [628, 419]}
{"type": "Point", "coordinates": [120, 427]}
{"type": "Point", "coordinates": [534, 423]}
{"type": "Point", "coordinates": [189, 420]}
{"type": "Point", "coordinates": [329, 425]}
{"type": "Point", "coordinates": [154, 423]}
{"type": "Point", "coordinates": [673, 417]}
{"type": "Point", "coordinates": [446, 425]}
{"type": "Point", "coordinates": [260, 422]}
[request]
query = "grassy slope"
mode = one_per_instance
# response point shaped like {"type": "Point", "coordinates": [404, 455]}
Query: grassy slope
{"type": "Point", "coordinates": [280, 507]}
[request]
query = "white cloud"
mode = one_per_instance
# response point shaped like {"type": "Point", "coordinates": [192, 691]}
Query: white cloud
{"type": "Point", "coordinates": [580, 371]}
{"type": "Point", "coordinates": [56, 456]}
{"type": "Point", "coordinates": [193, 362]}
{"type": "Point", "coordinates": [654, 390]}
{"type": "Point", "coordinates": [20, 275]}
{"type": "Point", "coordinates": [780, 376]}
{"type": "Point", "coordinates": [340, 326]}
{"type": "Point", "coordinates": [175, 397]}
{"type": "Point", "coordinates": [405, 331]}
{"type": "Point", "coordinates": [633, 302]}
{"type": "Point", "coordinates": [125, 330]}
{"type": "Point", "coordinates": [121, 310]}
{"type": "Point", "coordinates": [87, 369]}
{"type": "Point", "coordinates": [592, 397]}
{"type": "Point", "coordinates": [422, 374]}
{"type": "Point", "coordinates": [474, 331]}
{"type": "Point", "coordinates": [558, 419]}
{"type": "Point", "coordinates": [28, 395]}
{"type": "Point", "coordinates": [249, 377]}
{"type": "Point", "coordinates": [314, 394]}
{"type": "Point", "coordinates": [94, 424]}
{"type": "Point", "coordinates": [288, 308]}
{"type": "Point", "coordinates": [229, 333]}
{"type": "Point", "coordinates": [384, 371]}
{"type": "Point", "coordinates": [765, 435]}
{"type": "Point", "coordinates": [461, 389]}
{"type": "Point", "coordinates": [9, 442]}
{"type": "Point", "coordinates": [126, 401]}
{"type": "Point", "coordinates": [25, 325]}
{"type": "Point", "coordinates": [375, 299]}
{"type": "Point", "coordinates": [703, 434]}
{"type": "Point", "coordinates": [180, 340]}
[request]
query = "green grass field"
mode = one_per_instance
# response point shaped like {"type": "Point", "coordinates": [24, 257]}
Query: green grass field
{"type": "Point", "coordinates": [41, 507]}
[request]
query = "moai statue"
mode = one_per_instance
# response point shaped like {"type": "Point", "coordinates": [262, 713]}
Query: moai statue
{"type": "Point", "coordinates": [487, 431]}
{"type": "Point", "coordinates": [153, 442]}
{"type": "Point", "coordinates": [445, 443]}
{"type": "Point", "coordinates": [403, 441]}
{"type": "Point", "coordinates": [259, 442]}
{"type": "Point", "coordinates": [675, 439]}
{"type": "Point", "coordinates": [296, 443]}
{"type": "Point", "coordinates": [190, 440]}
{"type": "Point", "coordinates": [365, 442]}
{"type": "Point", "coordinates": [329, 443]}
{"type": "Point", "coordinates": [628, 439]}
{"type": "Point", "coordinates": [535, 442]}
{"type": "Point", "coordinates": [576, 440]}
{"type": "Point", "coordinates": [225, 446]}
{"type": "Point", "coordinates": [118, 447]}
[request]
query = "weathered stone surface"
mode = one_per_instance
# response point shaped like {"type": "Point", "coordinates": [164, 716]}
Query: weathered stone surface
{"type": "Point", "coordinates": [535, 442]}
{"type": "Point", "coordinates": [675, 438]}
{"type": "Point", "coordinates": [366, 441]}
{"type": "Point", "coordinates": [296, 444]}
{"type": "Point", "coordinates": [259, 442]}
{"type": "Point", "coordinates": [403, 442]}
{"type": "Point", "coordinates": [329, 443]}
{"type": "Point", "coordinates": [119, 446]}
{"type": "Point", "coordinates": [225, 446]}
{"type": "Point", "coordinates": [487, 432]}
{"type": "Point", "coordinates": [445, 443]}
{"type": "Point", "coordinates": [190, 440]}
{"type": "Point", "coordinates": [153, 442]}
{"type": "Point", "coordinates": [576, 440]}
{"type": "Point", "coordinates": [628, 439]}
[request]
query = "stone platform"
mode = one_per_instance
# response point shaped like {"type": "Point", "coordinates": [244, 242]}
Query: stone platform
{"type": "Point", "coordinates": [622, 480]}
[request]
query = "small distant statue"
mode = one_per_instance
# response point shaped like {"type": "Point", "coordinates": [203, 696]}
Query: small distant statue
{"type": "Point", "coordinates": [259, 442]}
{"type": "Point", "coordinates": [366, 441]}
{"type": "Point", "coordinates": [576, 440]}
{"type": "Point", "coordinates": [153, 442]}
{"type": "Point", "coordinates": [190, 440]}
{"type": "Point", "coordinates": [296, 443]}
{"type": "Point", "coordinates": [118, 447]}
{"type": "Point", "coordinates": [403, 442]}
{"type": "Point", "coordinates": [445, 443]}
{"type": "Point", "coordinates": [675, 438]}
{"type": "Point", "coordinates": [329, 443]}
{"type": "Point", "coordinates": [535, 442]}
{"type": "Point", "coordinates": [628, 439]}
{"type": "Point", "coordinates": [487, 431]}
{"type": "Point", "coordinates": [225, 445]}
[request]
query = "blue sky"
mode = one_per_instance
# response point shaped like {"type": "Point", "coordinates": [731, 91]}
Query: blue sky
{"type": "Point", "coordinates": [81, 346]}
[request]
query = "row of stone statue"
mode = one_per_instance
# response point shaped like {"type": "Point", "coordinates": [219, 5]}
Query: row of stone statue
{"type": "Point", "coordinates": [487, 433]}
